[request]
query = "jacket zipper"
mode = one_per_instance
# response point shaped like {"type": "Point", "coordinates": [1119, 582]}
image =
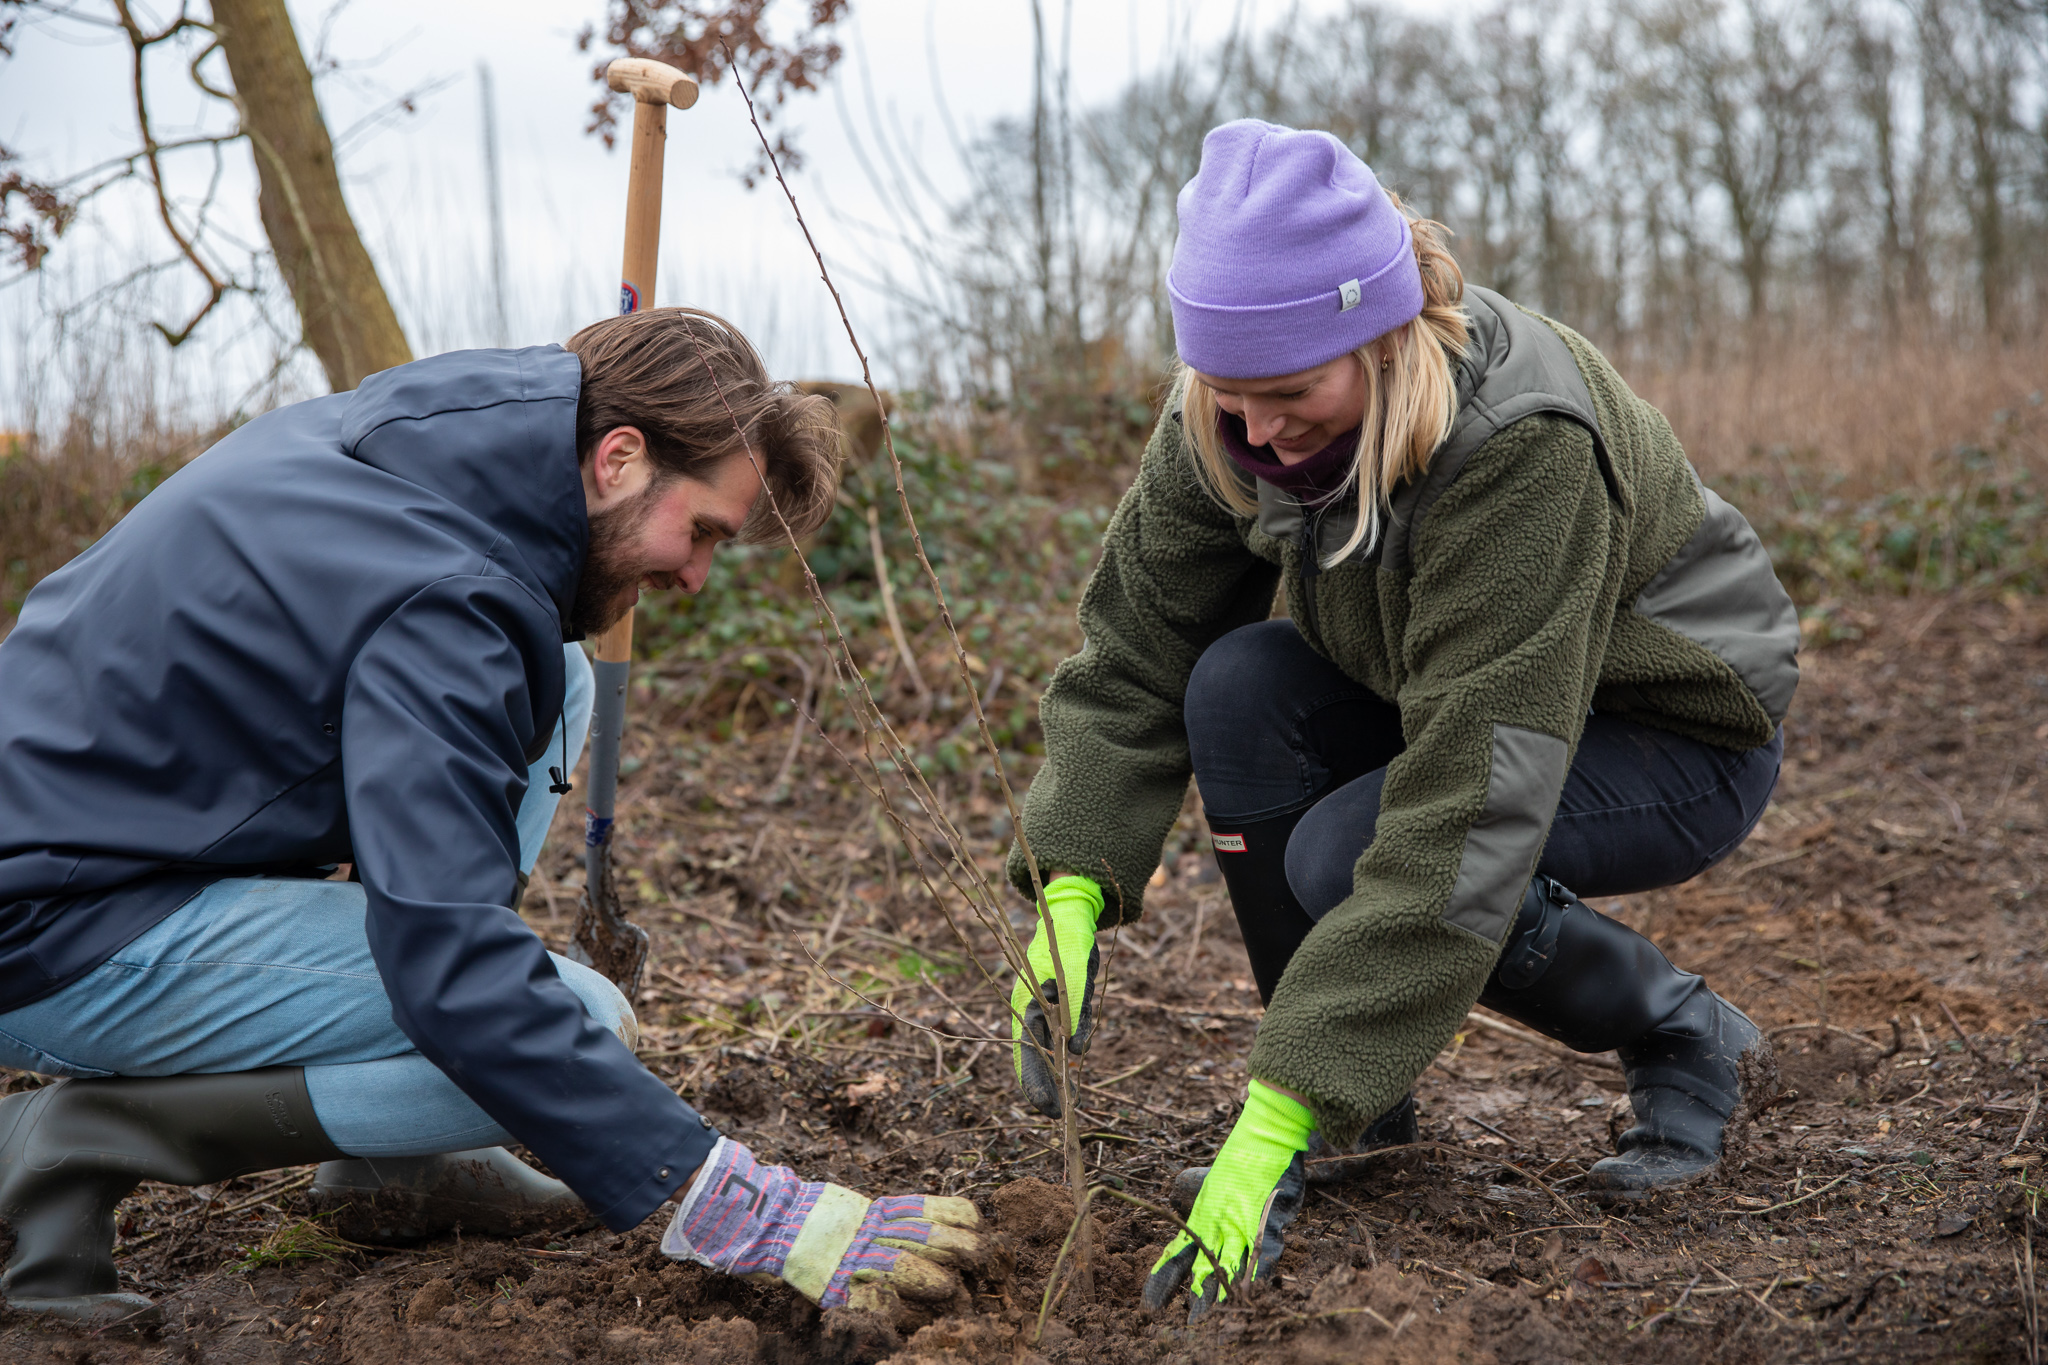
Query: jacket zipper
{"type": "Point", "coordinates": [1311, 569]}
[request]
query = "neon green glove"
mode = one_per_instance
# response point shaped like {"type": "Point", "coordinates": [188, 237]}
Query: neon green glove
{"type": "Point", "coordinates": [1253, 1192]}
{"type": "Point", "coordinates": [1073, 904]}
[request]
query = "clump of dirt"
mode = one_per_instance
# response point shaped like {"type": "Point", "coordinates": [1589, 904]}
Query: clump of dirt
{"type": "Point", "coordinates": [1034, 1212]}
{"type": "Point", "coordinates": [1378, 1316]}
{"type": "Point", "coordinates": [1827, 1067]}
{"type": "Point", "coordinates": [961, 1341]}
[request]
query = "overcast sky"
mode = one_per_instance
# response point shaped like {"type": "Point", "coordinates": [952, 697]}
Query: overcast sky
{"type": "Point", "coordinates": [416, 182]}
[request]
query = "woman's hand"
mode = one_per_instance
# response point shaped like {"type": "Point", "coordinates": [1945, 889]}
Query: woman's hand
{"type": "Point", "coordinates": [1252, 1193]}
{"type": "Point", "coordinates": [1073, 904]}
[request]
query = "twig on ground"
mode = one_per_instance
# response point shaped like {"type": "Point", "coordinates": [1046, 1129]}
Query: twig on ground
{"type": "Point", "coordinates": [1652, 1323]}
{"type": "Point", "coordinates": [262, 1197]}
{"type": "Point", "coordinates": [1203, 1011]}
{"type": "Point", "coordinates": [1482, 1123]}
{"type": "Point", "coordinates": [1126, 1099]}
{"type": "Point", "coordinates": [1165, 1213]}
{"type": "Point", "coordinates": [1125, 1074]}
{"type": "Point", "coordinates": [1827, 1028]}
{"type": "Point", "coordinates": [1393, 1330]}
{"type": "Point", "coordinates": [1954, 807]}
{"type": "Point", "coordinates": [1810, 1194]}
{"type": "Point", "coordinates": [2027, 1123]}
{"type": "Point", "coordinates": [1455, 1150]}
{"type": "Point", "coordinates": [1740, 1289]}
{"type": "Point", "coordinates": [1968, 1041]}
{"type": "Point", "coordinates": [888, 595]}
{"type": "Point", "coordinates": [800, 713]}
{"type": "Point", "coordinates": [881, 1008]}
{"type": "Point", "coordinates": [2030, 1295]}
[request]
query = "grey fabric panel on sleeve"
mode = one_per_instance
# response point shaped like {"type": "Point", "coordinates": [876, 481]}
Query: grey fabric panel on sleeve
{"type": "Point", "coordinates": [1720, 591]}
{"type": "Point", "coordinates": [1501, 848]}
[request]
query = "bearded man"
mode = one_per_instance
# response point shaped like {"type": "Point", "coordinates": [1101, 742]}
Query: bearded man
{"type": "Point", "coordinates": [345, 635]}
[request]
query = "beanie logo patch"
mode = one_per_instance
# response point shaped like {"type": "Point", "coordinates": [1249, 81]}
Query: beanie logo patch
{"type": "Point", "coordinates": [1348, 295]}
{"type": "Point", "coordinates": [1228, 843]}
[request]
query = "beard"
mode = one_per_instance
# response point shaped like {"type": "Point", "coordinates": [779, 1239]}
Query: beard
{"type": "Point", "coordinates": [602, 589]}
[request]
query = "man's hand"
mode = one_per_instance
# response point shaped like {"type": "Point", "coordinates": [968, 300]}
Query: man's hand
{"type": "Point", "coordinates": [1073, 904]}
{"type": "Point", "coordinates": [1252, 1193]}
{"type": "Point", "coordinates": [831, 1244]}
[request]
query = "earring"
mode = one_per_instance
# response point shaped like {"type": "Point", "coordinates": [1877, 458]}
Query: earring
{"type": "Point", "coordinates": [1386, 362]}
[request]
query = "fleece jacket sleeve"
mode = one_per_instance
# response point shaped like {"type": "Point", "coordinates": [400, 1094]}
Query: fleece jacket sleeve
{"type": "Point", "coordinates": [1175, 574]}
{"type": "Point", "coordinates": [1509, 601]}
{"type": "Point", "coordinates": [440, 712]}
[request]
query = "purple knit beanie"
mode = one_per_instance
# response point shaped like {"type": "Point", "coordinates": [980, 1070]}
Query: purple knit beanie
{"type": "Point", "coordinates": [1290, 254]}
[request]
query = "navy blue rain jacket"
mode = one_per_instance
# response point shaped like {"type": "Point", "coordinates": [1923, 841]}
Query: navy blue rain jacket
{"type": "Point", "coordinates": [337, 636]}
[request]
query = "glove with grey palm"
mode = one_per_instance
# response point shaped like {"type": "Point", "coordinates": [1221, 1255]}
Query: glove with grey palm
{"type": "Point", "coordinates": [1073, 905]}
{"type": "Point", "coordinates": [1252, 1193]}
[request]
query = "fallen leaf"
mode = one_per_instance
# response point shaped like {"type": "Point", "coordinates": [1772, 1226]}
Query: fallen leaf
{"type": "Point", "coordinates": [1949, 1224]}
{"type": "Point", "coordinates": [1590, 1271]}
{"type": "Point", "coordinates": [873, 1086]}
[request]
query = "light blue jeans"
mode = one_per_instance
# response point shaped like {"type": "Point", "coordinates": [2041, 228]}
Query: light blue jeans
{"type": "Point", "coordinates": [257, 972]}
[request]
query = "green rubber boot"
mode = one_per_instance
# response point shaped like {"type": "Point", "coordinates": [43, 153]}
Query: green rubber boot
{"type": "Point", "coordinates": [399, 1200]}
{"type": "Point", "coordinates": [72, 1150]}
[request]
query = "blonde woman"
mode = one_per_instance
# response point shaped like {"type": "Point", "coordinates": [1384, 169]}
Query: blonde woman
{"type": "Point", "coordinates": [1526, 655]}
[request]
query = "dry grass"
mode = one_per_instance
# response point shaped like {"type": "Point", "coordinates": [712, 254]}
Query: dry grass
{"type": "Point", "coordinates": [56, 502]}
{"type": "Point", "coordinates": [1829, 447]}
{"type": "Point", "coordinates": [1873, 414]}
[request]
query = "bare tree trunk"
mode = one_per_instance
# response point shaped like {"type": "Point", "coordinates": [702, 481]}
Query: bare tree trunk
{"type": "Point", "coordinates": [346, 315]}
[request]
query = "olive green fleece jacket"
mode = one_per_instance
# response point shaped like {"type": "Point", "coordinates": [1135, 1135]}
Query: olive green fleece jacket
{"type": "Point", "coordinates": [1557, 565]}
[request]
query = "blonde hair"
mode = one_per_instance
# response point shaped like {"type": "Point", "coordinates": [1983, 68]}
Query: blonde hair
{"type": "Point", "coordinates": [1409, 407]}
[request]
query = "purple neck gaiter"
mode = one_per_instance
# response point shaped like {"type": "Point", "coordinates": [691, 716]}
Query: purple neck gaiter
{"type": "Point", "coordinates": [1317, 479]}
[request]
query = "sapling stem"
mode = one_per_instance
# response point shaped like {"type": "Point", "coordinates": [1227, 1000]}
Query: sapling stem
{"type": "Point", "coordinates": [991, 915]}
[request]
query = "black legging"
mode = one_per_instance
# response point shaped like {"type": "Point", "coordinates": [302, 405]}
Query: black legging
{"type": "Point", "coordinates": [1276, 730]}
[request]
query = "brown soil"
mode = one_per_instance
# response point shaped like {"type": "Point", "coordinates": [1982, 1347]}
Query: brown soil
{"type": "Point", "coordinates": [1873, 1214]}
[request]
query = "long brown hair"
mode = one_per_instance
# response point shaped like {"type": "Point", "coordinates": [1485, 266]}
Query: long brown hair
{"type": "Point", "coordinates": [1409, 406]}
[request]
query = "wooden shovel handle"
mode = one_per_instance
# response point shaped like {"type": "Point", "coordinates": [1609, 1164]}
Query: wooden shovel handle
{"type": "Point", "coordinates": [654, 87]}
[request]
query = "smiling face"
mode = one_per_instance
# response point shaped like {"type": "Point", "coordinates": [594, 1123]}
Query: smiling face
{"type": "Point", "coordinates": [1296, 414]}
{"type": "Point", "coordinates": [651, 531]}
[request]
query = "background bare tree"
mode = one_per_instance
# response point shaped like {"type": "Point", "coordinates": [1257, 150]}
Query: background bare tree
{"type": "Point", "coordinates": [248, 57]}
{"type": "Point", "coordinates": [1680, 178]}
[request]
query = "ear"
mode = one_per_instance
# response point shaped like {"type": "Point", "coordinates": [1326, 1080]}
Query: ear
{"type": "Point", "coordinates": [618, 468]}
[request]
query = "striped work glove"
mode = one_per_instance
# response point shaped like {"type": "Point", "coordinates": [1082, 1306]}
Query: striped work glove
{"type": "Point", "coordinates": [1073, 904]}
{"type": "Point", "coordinates": [827, 1242]}
{"type": "Point", "coordinates": [1249, 1197]}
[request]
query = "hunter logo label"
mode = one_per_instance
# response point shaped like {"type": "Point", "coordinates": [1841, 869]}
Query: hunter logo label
{"type": "Point", "coordinates": [1228, 843]}
{"type": "Point", "coordinates": [279, 1114]}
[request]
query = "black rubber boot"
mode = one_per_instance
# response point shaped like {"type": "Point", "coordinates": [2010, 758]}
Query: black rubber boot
{"type": "Point", "coordinates": [72, 1150]}
{"type": "Point", "coordinates": [398, 1200]}
{"type": "Point", "coordinates": [1594, 984]}
{"type": "Point", "coordinates": [1395, 1128]}
{"type": "Point", "coordinates": [1253, 860]}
